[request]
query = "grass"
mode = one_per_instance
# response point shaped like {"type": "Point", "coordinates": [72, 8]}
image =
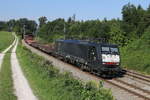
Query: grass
{"type": "Point", "coordinates": [6, 39]}
{"type": "Point", "coordinates": [6, 83]}
{"type": "Point", "coordinates": [136, 55]}
{"type": "Point", "coordinates": [48, 84]}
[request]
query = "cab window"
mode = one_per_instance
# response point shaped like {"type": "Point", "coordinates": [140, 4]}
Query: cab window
{"type": "Point", "coordinates": [105, 49]}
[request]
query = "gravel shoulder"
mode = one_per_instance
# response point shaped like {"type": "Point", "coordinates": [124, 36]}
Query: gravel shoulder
{"type": "Point", "coordinates": [21, 85]}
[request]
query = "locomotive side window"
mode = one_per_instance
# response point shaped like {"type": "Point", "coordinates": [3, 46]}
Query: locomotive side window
{"type": "Point", "coordinates": [92, 54]}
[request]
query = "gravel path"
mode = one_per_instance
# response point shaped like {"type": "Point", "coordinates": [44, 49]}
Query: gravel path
{"type": "Point", "coordinates": [21, 85]}
{"type": "Point", "coordinates": [118, 93]}
{"type": "Point", "coordinates": [1, 59]}
{"type": "Point", "coordinates": [5, 51]}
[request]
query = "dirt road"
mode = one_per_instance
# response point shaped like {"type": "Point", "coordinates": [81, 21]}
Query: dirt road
{"type": "Point", "coordinates": [5, 51]}
{"type": "Point", "coordinates": [21, 85]}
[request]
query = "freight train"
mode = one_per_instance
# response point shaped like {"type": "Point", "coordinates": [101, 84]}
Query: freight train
{"type": "Point", "coordinates": [100, 58]}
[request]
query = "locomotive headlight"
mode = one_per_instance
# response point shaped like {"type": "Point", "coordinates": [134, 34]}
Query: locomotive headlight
{"type": "Point", "coordinates": [104, 58]}
{"type": "Point", "coordinates": [110, 59]}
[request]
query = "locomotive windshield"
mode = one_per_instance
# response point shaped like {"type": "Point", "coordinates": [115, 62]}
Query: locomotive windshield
{"type": "Point", "coordinates": [110, 50]}
{"type": "Point", "coordinates": [105, 49]}
{"type": "Point", "coordinates": [114, 50]}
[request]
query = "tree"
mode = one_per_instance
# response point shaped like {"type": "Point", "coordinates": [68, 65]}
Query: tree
{"type": "Point", "coordinates": [148, 9]}
{"type": "Point", "coordinates": [3, 25]}
{"type": "Point", "coordinates": [117, 35]}
{"type": "Point", "coordinates": [42, 21]}
{"type": "Point", "coordinates": [11, 24]}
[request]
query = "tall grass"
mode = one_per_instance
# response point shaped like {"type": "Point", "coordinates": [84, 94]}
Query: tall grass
{"type": "Point", "coordinates": [48, 84]}
{"type": "Point", "coordinates": [6, 83]}
{"type": "Point", "coordinates": [6, 38]}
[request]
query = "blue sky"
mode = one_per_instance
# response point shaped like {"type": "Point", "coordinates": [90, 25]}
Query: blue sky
{"type": "Point", "coordinates": [52, 9]}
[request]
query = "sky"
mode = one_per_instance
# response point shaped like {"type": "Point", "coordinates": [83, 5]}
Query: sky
{"type": "Point", "coordinates": [52, 9]}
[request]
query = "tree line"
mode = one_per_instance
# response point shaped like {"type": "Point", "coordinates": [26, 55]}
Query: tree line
{"type": "Point", "coordinates": [135, 20]}
{"type": "Point", "coordinates": [18, 26]}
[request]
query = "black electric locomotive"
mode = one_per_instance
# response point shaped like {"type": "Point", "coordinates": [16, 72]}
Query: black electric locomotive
{"type": "Point", "coordinates": [95, 57]}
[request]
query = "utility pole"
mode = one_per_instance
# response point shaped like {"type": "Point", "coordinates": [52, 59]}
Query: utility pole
{"type": "Point", "coordinates": [36, 33]}
{"type": "Point", "coordinates": [24, 31]}
{"type": "Point", "coordinates": [64, 30]}
{"type": "Point", "coordinates": [74, 17]}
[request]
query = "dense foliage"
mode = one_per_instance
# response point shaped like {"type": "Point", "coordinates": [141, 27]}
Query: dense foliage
{"type": "Point", "coordinates": [136, 55]}
{"type": "Point", "coordinates": [19, 26]}
{"type": "Point", "coordinates": [135, 20]}
{"type": "Point", "coordinates": [132, 26]}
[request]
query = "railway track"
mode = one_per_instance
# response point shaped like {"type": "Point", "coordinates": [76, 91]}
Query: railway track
{"type": "Point", "coordinates": [130, 87]}
{"type": "Point", "coordinates": [139, 76]}
{"type": "Point", "coordinates": [139, 80]}
{"type": "Point", "coordinates": [125, 84]}
{"type": "Point", "coordinates": [139, 91]}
